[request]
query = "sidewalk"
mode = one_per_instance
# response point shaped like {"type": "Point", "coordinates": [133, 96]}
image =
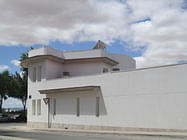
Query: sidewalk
{"type": "Point", "coordinates": [127, 133]}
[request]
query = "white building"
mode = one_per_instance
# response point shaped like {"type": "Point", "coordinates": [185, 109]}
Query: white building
{"type": "Point", "coordinates": [93, 89]}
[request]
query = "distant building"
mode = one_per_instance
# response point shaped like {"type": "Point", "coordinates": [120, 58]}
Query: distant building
{"type": "Point", "coordinates": [94, 89]}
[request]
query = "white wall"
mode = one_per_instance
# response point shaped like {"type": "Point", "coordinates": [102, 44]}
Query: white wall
{"type": "Point", "coordinates": [104, 65]}
{"type": "Point", "coordinates": [45, 51]}
{"type": "Point", "coordinates": [145, 98]}
{"type": "Point", "coordinates": [82, 54]}
{"type": "Point", "coordinates": [34, 96]}
{"type": "Point", "coordinates": [53, 69]}
{"type": "Point", "coordinates": [83, 68]}
{"type": "Point", "coordinates": [66, 107]}
{"type": "Point", "coordinates": [125, 62]}
{"type": "Point", "coordinates": [33, 92]}
{"type": "Point", "coordinates": [36, 65]}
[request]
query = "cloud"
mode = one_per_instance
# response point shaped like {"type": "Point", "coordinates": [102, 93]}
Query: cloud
{"type": "Point", "coordinates": [4, 67]}
{"type": "Point", "coordinates": [43, 21]}
{"type": "Point", "coordinates": [15, 62]}
{"type": "Point", "coordinates": [163, 36]}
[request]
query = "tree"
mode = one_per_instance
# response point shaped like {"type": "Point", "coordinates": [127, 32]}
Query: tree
{"type": "Point", "coordinates": [18, 83]}
{"type": "Point", "coordinates": [14, 85]}
{"type": "Point", "coordinates": [23, 57]}
{"type": "Point", "coordinates": [18, 88]}
{"type": "Point", "coordinates": [4, 86]}
{"type": "Point", "coordinates": [21, 81]}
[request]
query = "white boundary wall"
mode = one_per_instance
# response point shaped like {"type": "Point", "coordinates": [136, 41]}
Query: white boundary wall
{"type": "Point", "coordinates": [144, 98]}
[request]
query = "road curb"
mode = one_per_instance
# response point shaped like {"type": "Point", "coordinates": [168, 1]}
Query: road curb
{"type": "Point", "coordinates": [120, 133]}
{"type": "Point", "coordinates": [12, 138]}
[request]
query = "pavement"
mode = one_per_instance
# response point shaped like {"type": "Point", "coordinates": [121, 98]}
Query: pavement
{"type": "Point", "coordinates": [129, 133]}
{"type": "Point", "coordinates": [17, 129]}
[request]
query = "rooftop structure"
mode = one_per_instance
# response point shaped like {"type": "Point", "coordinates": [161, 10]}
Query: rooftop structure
{"type": "Point", "coordinates": [57, 64]}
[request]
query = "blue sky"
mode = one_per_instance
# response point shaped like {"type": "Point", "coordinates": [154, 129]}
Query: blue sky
{"type": "Point", "coordinates": [152, 32]}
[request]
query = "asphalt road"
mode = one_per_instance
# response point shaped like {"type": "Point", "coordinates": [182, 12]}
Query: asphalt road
{"type": "Point", "coordinates": [40, 135]}
{"type": "Point", "coordinates": [6, 125]}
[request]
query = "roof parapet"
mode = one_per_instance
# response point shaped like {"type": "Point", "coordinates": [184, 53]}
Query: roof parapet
{"type": "Point", "coordinates": [45, 51]}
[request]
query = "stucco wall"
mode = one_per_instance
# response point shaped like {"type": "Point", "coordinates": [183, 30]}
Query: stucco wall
{"type": "Point", "coordinates": [33, 93]}
{"type": "Point", "coordinates": [66, 107]}
{"type": "Point", "coordinates": [45, 51]}
{"type": "Point", "coordinates": [85, 68]}
{"type": "Point", "coordinates": [125, 62]}
{"type": "Point", "coordinates": [145, 98]}
{"type": "Point", "coordinates": [53, 69]}
{"type": "Point", "coordinates": [83, 54]}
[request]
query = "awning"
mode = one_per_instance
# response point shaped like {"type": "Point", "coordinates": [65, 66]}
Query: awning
{"type": "Point", "coordinates": [70, 89]}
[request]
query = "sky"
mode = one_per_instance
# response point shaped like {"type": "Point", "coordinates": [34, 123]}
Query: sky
{"type": "Point", "coordinates": [153, 32]}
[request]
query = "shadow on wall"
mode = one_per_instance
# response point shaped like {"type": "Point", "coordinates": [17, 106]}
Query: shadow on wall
{"type": "Point", "coordinates": [30, 74]}
{"type": "Point", "coordinates": [86, 103]}
{"type": "Point", "coordinates": [102, 106]}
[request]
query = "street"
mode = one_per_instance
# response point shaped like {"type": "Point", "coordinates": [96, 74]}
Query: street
{"type": "Point", "coordinates": [46, 135]}
{"type": "Point", "coordinates": [6, 125]}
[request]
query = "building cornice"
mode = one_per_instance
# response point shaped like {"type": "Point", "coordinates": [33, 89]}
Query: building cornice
{"type": "Point", "coordinates": [40, 58]}
{"type": "Point", "coordinates": [102, 59]}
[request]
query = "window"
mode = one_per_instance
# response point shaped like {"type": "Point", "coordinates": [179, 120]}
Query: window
{"type": "Point", "coordinates": [54, 106]}
{"type": "Point", "coordinates": [78, 106]}
{"type": "Point", "coordinates": [39, 107]}
{"type": "Point", "coordinates": [97, 106]}
{"type": "Point", "coordinates": [34, 74]}
{"type": "Point", "coordinates": [105, 70]}
{"type": "Point", "coordinates": [33, 107]}
{"type": "Point", "coordinates": [39, 73]}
